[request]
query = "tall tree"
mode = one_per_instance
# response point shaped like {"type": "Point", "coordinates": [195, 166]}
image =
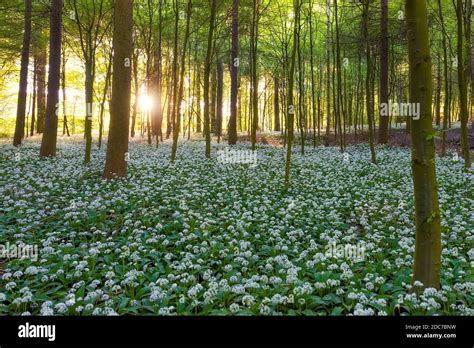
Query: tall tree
{"type": "Point", "coordinates": [219, 98]}
{"type": "Point", "coordinates": [311, 56]}
{"type": "Point", "coordinates": [276, 103]}
{"type": "Point", "coordinates": [291, 82]}
{"type": "Point", "coordinates": [117, 145]}
{"type": "Point", "coordinates": [178, 112]}
{"type": "Point", "coordinates": [462, 85]}
{"type": "Point", "coordinates": [328, 72]}
{"type": "Point", "coordinates": [92, 22]}
{"type": "Point", "coordinates": [426, 268]}
{"type": "Point", "coordinates": [339, 103]}
{"type": "Point", "coordinates": [234, 74]}
{"type": "Point", "coordinates": [383, 120]}
{"type": "Point", "coordinates": [175, 72]}
{"type": "Point", "coordinates": [369, 90]}
{"type": "Point", "coordinates": [23, 87]}
{"type": "Point", "coordinates": [446, 80]}
{"type": "Point", "coordinates": [207, 73]}
{"type": "Point", "coordinates": [157, 112]}
{"type": "Point", "coordinates": [41, 58]}
{"type": "Point", "coordinates": [33, 107]}
{"type": "Point", "coordinates": [48, 142]}
{"type": "Point", "coordinates": [254, 69]}
{"type": "Point", "coordinates": [63, 87]}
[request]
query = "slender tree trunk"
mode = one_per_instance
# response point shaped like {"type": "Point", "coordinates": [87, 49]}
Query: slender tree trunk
{"type": "Point", "coordinates": [438, 94]}
{"type": "Point", "coordinates": [175, 104]}
{"type": "Point", "coordinates": [136, 90]}
{"type": "Point", "coordinates": [383, 120]}
{"type": "Point", "coordinates": [198, 98]}
{"type": "Point", "coordinates": [301, 114]}
{"type": "Point", "coordinates": [328, 73]}
{"type": "Point", "coordinates": [426, 268]}
{"type": "Point", "coordinates": [177, 125]}
{"type": "Point", "coordinates": [158, 110]}
{"type": "Point", "coordinates": [89, 86]}
{"type": "Point", "coordinates": [254, 49]}
{"type": "Point", "coordinates": [320, 84]}
{"type": "Point", "coordinates": [23, 87]}
{"type": "Point", "coordinates": [104, 97]}
{"type": "Point", "coordinates": [48, 142]}
{"type": "Point", "coordinates": [291, 81]}
{"type": "Point", "coordinates": [462, 87]}
{"type": "Point", "coordinates": [213, 97]}
{"type": "Point", "coordinates": [367, 85]}
{"type": "Point", "coordinates": [239, 106]}
{"type": "Point", "coordinates": [276, 103]}
{"type": "Point", "coordinates": [234, 74]}
{"type": "Point", "coordinates": [207, 72]}
{"type": "Point", "coordinates": [63, 86]}
{"type": "Point", "coordinates": [169, 98]}
{"type": "Point", "coordinates": [446, 81]}
{"type": "Point", "coordinates": [470, 50]}
{"type": "Point", "coordinates": [313, 89]}
{"type": "Point", "coordinates": [41, 61]}
{"type": "Point", "coordinates": [340, 103]}
{"type": "Point", "coordinates": [33, 112]}
{"type": "Point", "coordinates": [117, 145]}
{"type": "Point", "coordinates": [219, 98]}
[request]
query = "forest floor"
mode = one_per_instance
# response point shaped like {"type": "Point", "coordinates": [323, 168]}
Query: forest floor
{"type": "Point", "coordinates": [202, 236]}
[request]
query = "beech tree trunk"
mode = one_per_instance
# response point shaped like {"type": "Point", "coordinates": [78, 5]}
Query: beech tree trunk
{"type": "Point", "coordinates": [117, 146]}
{"type": "Point", "coordinates": [462, 87]}
{"type": "Point", "coordinates": [41, 81]}
{"type": "Point", "coordinates": [23, 87]}
{"type": "Point", "coordinates": [177, 125]}
{"type": "Point", "coordinates": [234, 74]}
{"type": "Point", "coordinates": [276, 102]}
{"type": "Point", "coordinates": [48, 142]}
{"type": "Point", "coordinates": [426, 268]}
{"type": "Point", "coordinates": [207, 72]}
{"type": "Point", "coordinates": [291, 82]}
{"type": "Point", "coordinates": [383, 120]}
{"type": "Point", "coordinates": [219, 98]}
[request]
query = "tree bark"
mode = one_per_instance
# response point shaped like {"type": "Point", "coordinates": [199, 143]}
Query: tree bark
{"type": "Point", "coordinates": [219, 98]}
{"type": "Point", "coordinates": [369, 91]}
{"type": "Point", "coordinates": [177, 125]}
{"type": "Point", "coordinates": [446, 81]}
{"type": "Point", "coordinates": [23, 87]}
{"type": "Point", "coordinates": [291, 82]}
{"type": "Point", "coordinates": [136, 90]}
{"type": "Point", "coordinates": [35, 94]}
{"type": "Point", "coordinates": [63, 86]}
{"type": "Point", "coordinates": [328, 73]}
{"type": "Point", "coordinates": [41, 81]}
{"type": "Point", "coordinates": [383, 120]}
{"type": "Point", "coordinates": [276, 102]}
{"type": "Point", "coordinates": [313, 87]}
{"type": "Point", "coordinates": [117, 146]}
{"type": "Point", "coordinates": [253, 45]}
{"type": "Point", "coordinates": [462, 87]}
{"type": "Point", "coordinates": [207, 71]}
{"type": "Point", "coordinates": [426, 268]}
{"type": "Point", "coordinates": [158, 111]}
{"type": "Point", "coordinates": [234, 74]}
{"type": "Point", "coordinates": [48, 143]}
